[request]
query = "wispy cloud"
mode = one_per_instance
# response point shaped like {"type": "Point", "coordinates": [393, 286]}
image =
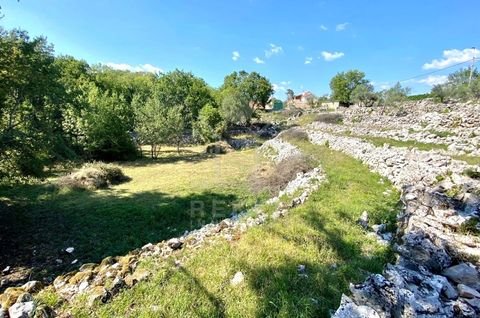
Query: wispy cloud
{"type": "Point", "coordinates": [273, 50]}
{"type": "Point", "coordinates": [332, 56]}
{"type": "Point", "coordinates": [381, 85]}
{"type": "Point", "coordinates": [235, 55]}
{"type": "Point", "coordinates": [258, 60]}
{"type": "Point", "coordinates": [323, 28]}
{"type": "Point", "coordinates": [341, 26]}
{"type": "Point", "coordinates": [308, 60]}
{"type": "Point", "coordinates": [451, 57]}
{"type": "Point", "coordinates": [281, 87]}
{"type": "Point", "coordinates": [433, 80]}
{"type": "Point", "coordinates": [147, 68]}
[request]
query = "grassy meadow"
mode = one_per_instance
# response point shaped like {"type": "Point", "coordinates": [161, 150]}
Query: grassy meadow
{"type": "Point", "coordinates": [39, 221]}
{"type": "Point", "coordinates": [321, 234]}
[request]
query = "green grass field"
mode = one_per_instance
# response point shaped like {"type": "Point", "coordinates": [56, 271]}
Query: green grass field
{"type": "Point", "coordinates": [38, 221]}
{"type": "Point", "coordinates": [321, 234]}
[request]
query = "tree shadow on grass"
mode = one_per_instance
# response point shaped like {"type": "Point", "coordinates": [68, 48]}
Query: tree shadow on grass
{"type": "Point", "coordinates": [38, 222]}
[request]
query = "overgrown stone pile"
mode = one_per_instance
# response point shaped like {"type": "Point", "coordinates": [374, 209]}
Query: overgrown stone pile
{"type": "Point", "coordinates": [436, 273]}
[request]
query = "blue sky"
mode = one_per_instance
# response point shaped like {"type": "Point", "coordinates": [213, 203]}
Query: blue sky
{"type": "Point", "coordinates": [298, 45]}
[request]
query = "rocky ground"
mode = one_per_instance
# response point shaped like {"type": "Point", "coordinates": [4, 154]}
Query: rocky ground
{"type": "Point", "coordinates": [456, 125]}
{"type": "Point", "coordinates": [437, 269]}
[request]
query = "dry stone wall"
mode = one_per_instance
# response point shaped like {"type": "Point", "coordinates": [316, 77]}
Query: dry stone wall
{"type": "Point", "coordinates": [436, 273]}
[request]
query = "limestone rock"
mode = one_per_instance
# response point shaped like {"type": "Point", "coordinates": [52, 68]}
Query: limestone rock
{"type": "Point", "coordinates": [348, 309]}
{"type": "Point", "coordinates": [462, 274]}
{"type": "Point", "coordinates": [467, 292]}
{"type": "Point", "coordinates": [174, 243]}
{"type": "Point", "coordinates": [32, 286]}
{"type": "Point", "coordinates": [22, 310]}
{"type": "Point", "coordinates": [138, 276]}
{"type": "Point", "coordinates": [98, 294]}
{"type": "Point", "coordinates": [237, 279]}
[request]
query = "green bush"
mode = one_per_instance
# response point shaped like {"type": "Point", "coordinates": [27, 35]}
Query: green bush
{"type": "Point", "coordinates": [209, 125]}
{"type": "Point", "coordinates": [330, 118]}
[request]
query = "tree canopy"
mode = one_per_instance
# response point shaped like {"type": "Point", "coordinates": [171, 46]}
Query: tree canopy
{"type": "Point", "coordinates": [344, 83]}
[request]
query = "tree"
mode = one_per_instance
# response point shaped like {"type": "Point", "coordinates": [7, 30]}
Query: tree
{"type": "Point", "coordinates": [209, 125]}
{"type": "Point", "coordinates": [182, 89]}
{"type": "Point", "coordinates": [255, 87]}
{"type": "Point", "coordinates": [343, 84]}
{"type": "Point", "coordinates": [31, 110]}
{"type": "Point", "coordinates": [395, 95]}
{"type": "Point", "coordinates": [290, 94]}
{"type": "Point", "coordinates": [364, 95]}
{"type": "Point", "coordinates": [108, 135]}
{"type": "Point", "coordinates": [439, 93]}
{"type": "Point", "coordinates": [235, 108]}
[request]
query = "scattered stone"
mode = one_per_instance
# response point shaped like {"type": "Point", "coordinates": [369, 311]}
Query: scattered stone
{"type": "Point", "coordinates": [138, 276]}
{"type": "Point", "coordinates": [462, 274]}
{"type": "Point", "coordinates": [32, 286]}
{"type": "Point", "coordinates": [6, 270]}
{"type": "Point", "coordinates": [237, 279]}
{"type": "Point", "coordinates": [467, 292]}
{"type": "Point", "coordinates": [98, 294]}
{"type": "Point", "coordinates": [174, 243]}
{"type": "Point", "coordinates": [348, 309]}
{"type": "Point", "coordinates": [22, 310]}
{"type": "Point", "coordinates": [363, 220]}
{"type": "Point", "coordinates": [69, 250]}
{"type": "Point", "coordinates": [24, 297]}
{"type": "Point", "coordinates": [74, 262]}
{"type": "Point", "coordinates": [59, 261]}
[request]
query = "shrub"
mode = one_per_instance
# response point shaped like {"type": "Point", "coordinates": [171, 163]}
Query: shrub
{"type": "Point", "coordinates": [295, 134]}
{"type": "Point", "coordinates": [220, 147]}
{"type": "Point", "coordinates": [273, 178]}
{"type": "Point", "coordinates": [330, 118]}
{"type": "Point", "coordinates": [93, 176]}
{"type": "Point", "coordinates": [472, 173]}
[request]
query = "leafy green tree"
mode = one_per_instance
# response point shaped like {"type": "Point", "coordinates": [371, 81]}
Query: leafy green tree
{"type": "Point", "coordinates": [108, 135]}
{"type": "Point", "coordinates": [439, 93]}
{"type": "Point", "coordinates": [209, 126]}
{"type": "Point", "coordinates": [396, 95]}
{"type": "Point", "coordinates": [343, 84]}
{"type": "Point", "coordinates": [364, 95]}
{"type": "Point", "coordinates": [255, 87]}
{"type": "Point", "coordinates": [235, 108]}
{"type": "Point", "coordinates": [31, 110]}
{"type": "Point", "coordinates": [182, 89]}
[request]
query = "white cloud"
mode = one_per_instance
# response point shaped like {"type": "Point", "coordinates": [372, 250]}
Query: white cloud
{"type": "Point", "coordinates": [323, 28]}
{"type": "Point", "coordinates": [281, 87]}
{"type": "Point", "coordinates": [258, 60]}
{"type": "Point", "coordinates": [308, 60]}
{"type": "Point", "coordinates": [381, 85]}
{"type": "Point", "coordinates": [235, 55]}
{"type": "Point", "coordinates": [341, 26]}
{"type": "Point", "coordinates": [331, 56]}
{"type": "Point", "coordinates": [433, 80]}
{"type": "Point", "coordinates": [451, 57]}
{"type": "Point", "coordinates": [149, 68]}
{"type": "Point", "coordinates": [273, 50]}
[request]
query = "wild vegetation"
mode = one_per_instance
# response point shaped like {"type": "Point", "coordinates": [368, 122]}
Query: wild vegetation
{"type": "Point", "coordinates": [57, 108]}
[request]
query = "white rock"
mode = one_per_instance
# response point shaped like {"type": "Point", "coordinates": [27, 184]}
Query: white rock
{"type": "Point", "coordinates": [69, 250]}
{"type": "Point", "coordinates": [237, 279]}
{"type": "Point", "coordinates": [22, 310]}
